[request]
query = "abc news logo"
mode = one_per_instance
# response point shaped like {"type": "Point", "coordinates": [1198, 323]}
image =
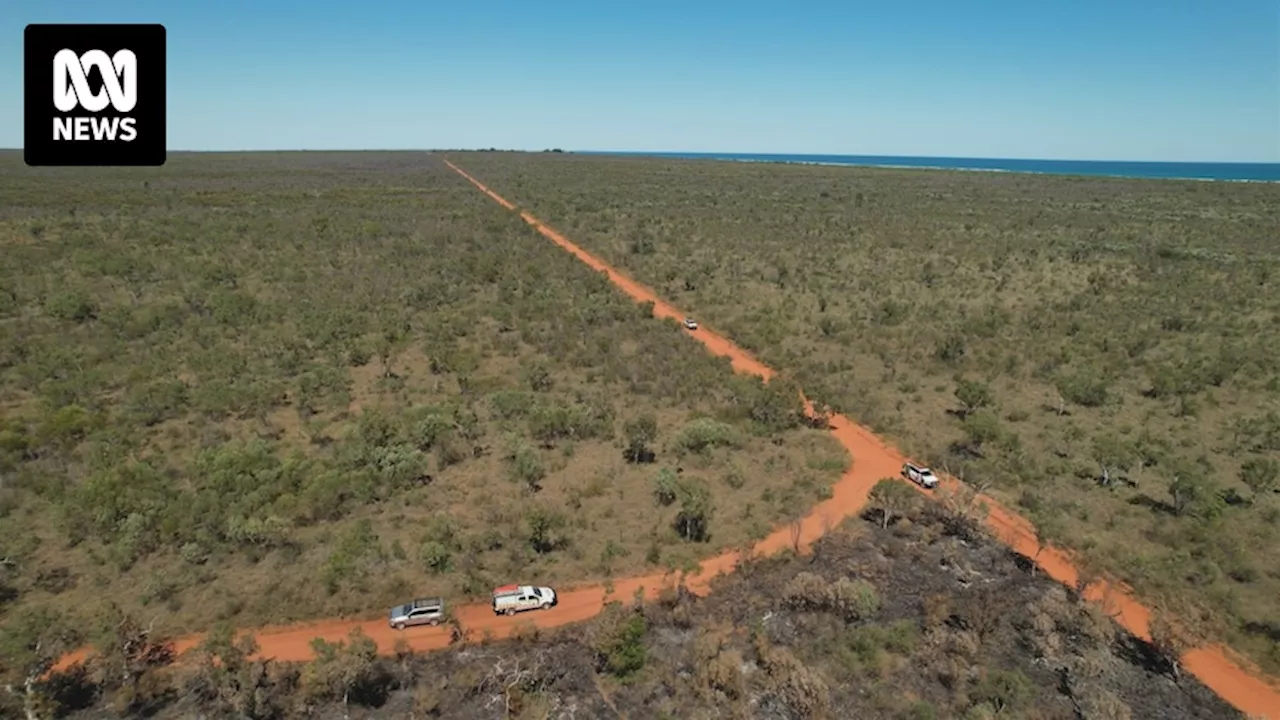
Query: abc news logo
{"type": "Point", "coordinates": [107, 105]}
{"type": "Point", "coordinates": [71, 90]}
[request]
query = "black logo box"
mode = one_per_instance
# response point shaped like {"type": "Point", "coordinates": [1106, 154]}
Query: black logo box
{"type": "Point", "coordinates": [41, 43]}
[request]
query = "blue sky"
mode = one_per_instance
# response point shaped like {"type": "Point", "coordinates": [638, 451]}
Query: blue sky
{"type": "Point", "coordinates": [1179, 80]}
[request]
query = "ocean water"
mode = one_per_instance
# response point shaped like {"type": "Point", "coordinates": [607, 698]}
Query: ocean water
{"type": "Point", "coordinates": [1238, 172]}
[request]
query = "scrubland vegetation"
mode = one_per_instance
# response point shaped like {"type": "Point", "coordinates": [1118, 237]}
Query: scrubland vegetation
{"type": "Point", "coordinates": [1100, 353]}
{"type": "Point", "coordinates": [254, 389]}
{"type": "Point", "coordinates": [922, 618]}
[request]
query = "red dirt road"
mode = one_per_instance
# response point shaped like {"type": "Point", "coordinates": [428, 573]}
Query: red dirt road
{"type": "Point", "coordinates": [872, 460]}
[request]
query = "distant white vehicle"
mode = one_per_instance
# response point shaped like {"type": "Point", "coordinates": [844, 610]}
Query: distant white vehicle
{"type": "Point", "coordinates": [511, 599]}
{"type": "Point", "coordinates": [922, 476]}
{"type": "Point", "coordinates": [690, 323]}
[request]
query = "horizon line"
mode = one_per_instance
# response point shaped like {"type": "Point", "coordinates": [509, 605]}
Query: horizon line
{"type": "Point", "coordinates": [713, 153]}
{"type": "Point", "coordinates": [926, 157]}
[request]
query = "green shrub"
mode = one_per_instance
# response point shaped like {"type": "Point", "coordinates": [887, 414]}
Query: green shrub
{"type": "Point", "coordinates": [626, 655]}
{"type": "Point", "coordinates": [665, 487]}
{"type": "Point", "coordinates": [705, 433]}
{"type": "Point", "coordinates": [436, 556]}
{"type": "Point", "coordinates": [526, 465]}
{"type": "Point", "coordinates": [71, 305]}
{"type": "Point", "coordinates": [852, 599]}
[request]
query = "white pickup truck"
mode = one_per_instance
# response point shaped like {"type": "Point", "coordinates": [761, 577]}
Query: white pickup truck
{"type": "Point", "coordinates": [921, 476]}
{"type": "Point", "coordinates": [511, 599]}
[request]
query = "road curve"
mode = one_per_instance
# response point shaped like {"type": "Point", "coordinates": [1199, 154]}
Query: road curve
{"type": "Point", "coordinates": [873, 459]}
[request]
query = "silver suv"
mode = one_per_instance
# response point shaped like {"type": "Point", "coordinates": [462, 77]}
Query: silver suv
{"type": "Point", "coordinates": [424, 611]}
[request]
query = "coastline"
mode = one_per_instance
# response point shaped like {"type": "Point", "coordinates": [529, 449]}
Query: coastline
{"type": "Point", "coordinates": [961, 165]}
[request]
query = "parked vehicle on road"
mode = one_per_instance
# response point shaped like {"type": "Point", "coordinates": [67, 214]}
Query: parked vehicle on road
{"type": "Point", "coordinates": [691, 323]}
{"type": "Point", "coordinates": [423, 611]}
{"type": "Point", "coordinates": [511, 599]}
{"type": "Point", "coordinates": [921, 476]}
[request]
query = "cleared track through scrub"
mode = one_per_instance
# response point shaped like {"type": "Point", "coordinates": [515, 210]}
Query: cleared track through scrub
{"type": "Point", "coordinates": [872, 460]}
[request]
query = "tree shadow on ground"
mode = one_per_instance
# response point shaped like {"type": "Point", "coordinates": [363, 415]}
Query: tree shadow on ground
{"type": "Point", "coordinates": [1152, 504]}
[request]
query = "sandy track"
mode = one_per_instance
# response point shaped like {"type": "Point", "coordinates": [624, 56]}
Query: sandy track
{"type": "Point", "coordinates": [873, 459]}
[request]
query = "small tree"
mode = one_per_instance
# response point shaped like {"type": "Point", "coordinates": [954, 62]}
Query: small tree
{"type": "Point", "coordinates": [696, 508]}
{"type": "Point", "coordinates": [457, 633]}
{"type": "Point", "coordinates": [1179, 381]}
{"type": "Point", "coordinates": [436, 556]}
{"type": "Point", "coordinates": [1191, 489]}
{"type": "Point", "coordinates": [226, 677]}
{"type": "Point", "coordinates": [984, 611]}
{"type": "Point", "coordinates": [1084, 388]}
{"type": "Point", "coordinates": [1049, 529]}
{"type": "Point", "coordinates": [620, 644]}
{"type": "Point", "coordinates": [973, 395]}
{"type": "Point", "coordinates": [1170, 641]}
{"type": "Point", "coordinates": [821, 417]}
{"type": "Point", "coordinates": [950, 349]}
{"type": "Point", "coordinates": [391, 340]}
{"type": "Point", "coordinates": [545, 529]}
{"type": "Point", "coordinates": [526, 465]}
{"type": "Point", "coordinates": [962, 512]}
{"type": "Point", "coordinates": [1004, 690]}
{"type": "Point", "coordinates": [1261, 475]}
{"type": "Point", "coordinates": [640, 433]}
{"type": "Point", "coordinates": [774, 406]}
{"type": "Point", "coordinates": [125, 653]}
{"type": "Point", "coordinates": [852, 599]}
{"type": "Point", "coordinates": [665, 487]}
{"type": "Point", "coordinates": [891, 497]}
{"type": "Point", "coordinates": [1112, 454]}
{"type": "Point", "coordinates": [340, 668]}
{"type": "Point", "coordinates": [980, 428]}
{"type": "Point", "coordinates": [1148, 451]}
{"type": "Point", "coordinates": [796, 530]}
